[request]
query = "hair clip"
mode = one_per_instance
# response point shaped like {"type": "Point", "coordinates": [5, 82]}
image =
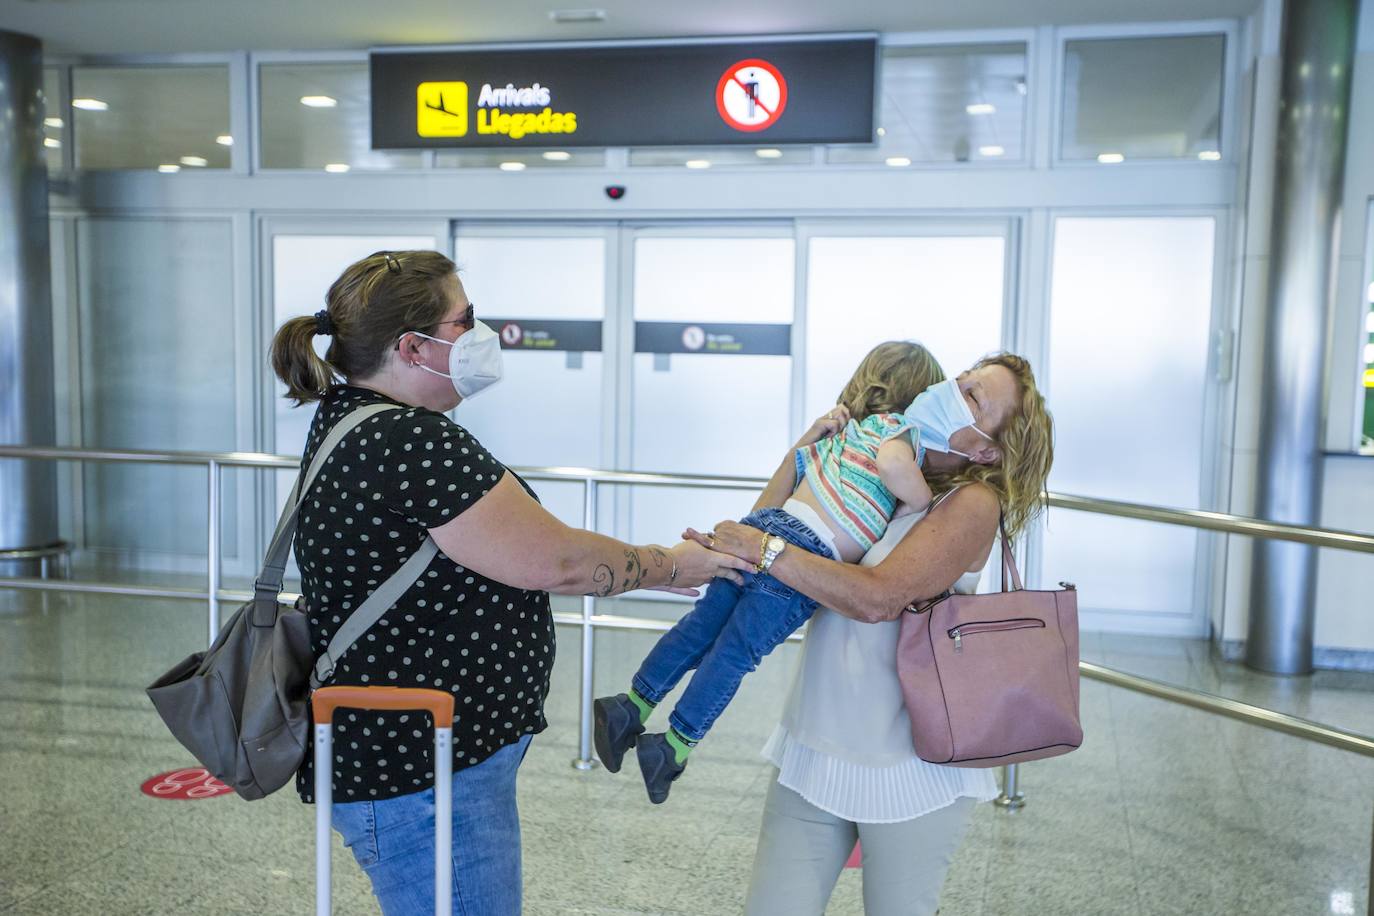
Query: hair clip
{"type": "Point", "coordinates": [324, 324]}
{"type": "Point", "coordinates": [392, 264]}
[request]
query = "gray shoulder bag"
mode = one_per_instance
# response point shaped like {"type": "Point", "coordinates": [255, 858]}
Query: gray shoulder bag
{"type": "Point", "coordinates": [242, 707]}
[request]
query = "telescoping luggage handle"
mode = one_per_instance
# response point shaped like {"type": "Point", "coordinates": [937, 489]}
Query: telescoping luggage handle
{"type": "Point", "coordinates": [438, 703]}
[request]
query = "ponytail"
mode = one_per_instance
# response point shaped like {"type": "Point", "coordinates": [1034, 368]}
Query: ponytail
{"type": "Point", "coordinates": [296, 363]}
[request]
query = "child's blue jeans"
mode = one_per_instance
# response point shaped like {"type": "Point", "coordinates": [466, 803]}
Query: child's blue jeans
{"type": "Point", "coordinates": [728, 632]}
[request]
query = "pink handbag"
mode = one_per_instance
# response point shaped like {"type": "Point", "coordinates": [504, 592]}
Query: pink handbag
{"type": "Point", "coordinates": [992, 679]}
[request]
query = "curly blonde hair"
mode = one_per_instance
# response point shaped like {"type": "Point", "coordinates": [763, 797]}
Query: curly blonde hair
{"type": "Point", "coordinates": [889, 378]}
{"type": "Point", "coordinates": [1027, 444]}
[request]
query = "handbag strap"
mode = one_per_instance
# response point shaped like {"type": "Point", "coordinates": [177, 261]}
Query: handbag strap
{"type": "Point", "coordinates": [1008, 561]}
{"type": "Point", "coordinates": [269, 582]}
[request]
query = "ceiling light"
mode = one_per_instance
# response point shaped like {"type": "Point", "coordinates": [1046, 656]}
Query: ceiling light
{"type": "Point", "coordinates": [557, 155]}
{"type": "Point", "coordinates": [991, 151]}
{"type": "Point", "coordinates": [90, 105]}
{"type": "Point", "coordinates": [882, 131]}
{"type": "Point", "coordinates": [1021, 85]}
{"type": "Point", "coordinates": [574, 16]}
{"type": "Point", "coordinates": [768, 153]}
{"type": "Point", "coordinates": [224, 140]}
{"type": "Point", "coordinates": [1209, 155]}
{"type": "Point", "coordinates": [897, 161]}
{"type": "Point", "coordinates": [698, 163]}
{"type": "Point", "coordinates": [980, 108]}
{"type": "Point", "coordinates": [318, 101]}
{"type": "Point", "coordinates": [337, 168]}
{"type": "Point", "coordinates": [512, 166]}
{"type": "Point", "coordinates": [52, 122]}
{"type": "Point", "coordinates": [197, 162]}
{"type": "Point", "coordinates": [168, 168]}
{"type": "Point", "coordinates": [1110, 158]}
{"type": "Point", "coordinates": [50, 143]}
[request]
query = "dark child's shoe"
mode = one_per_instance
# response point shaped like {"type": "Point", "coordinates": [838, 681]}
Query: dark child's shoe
{"type": "Point", "coordinates": [617, 727]}
{"type": "Point", "coordinates": [659, 766]}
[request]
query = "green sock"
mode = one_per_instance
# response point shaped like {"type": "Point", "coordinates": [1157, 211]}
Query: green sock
{"type": "Point", "coordinates": [646, 707]}
{"type": "Point", "coordinates": [681, 745]}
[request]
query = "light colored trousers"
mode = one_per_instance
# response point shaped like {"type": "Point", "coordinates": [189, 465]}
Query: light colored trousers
{"type": "Point", "coordinates": [802, 851]}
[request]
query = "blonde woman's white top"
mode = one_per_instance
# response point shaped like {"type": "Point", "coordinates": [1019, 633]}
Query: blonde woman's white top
{"type": "Point", "coordinates": [844, 742]}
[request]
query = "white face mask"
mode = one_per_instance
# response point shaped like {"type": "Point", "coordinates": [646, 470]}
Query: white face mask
{"type": "Point", "coordinates": [941, 411]}
{"type": "Point", "coordinates": [474, 362]}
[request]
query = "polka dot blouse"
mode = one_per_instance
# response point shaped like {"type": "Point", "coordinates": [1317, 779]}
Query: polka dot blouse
{"type": "Point", "coordinates": [397, 475]}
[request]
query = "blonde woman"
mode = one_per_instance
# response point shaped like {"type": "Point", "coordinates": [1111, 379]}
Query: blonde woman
{"type": "Point", "coordinates": [846, 767]}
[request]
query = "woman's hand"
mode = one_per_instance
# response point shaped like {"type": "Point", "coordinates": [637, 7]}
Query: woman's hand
{"type": "Point", "coordinates": [732, 538]}
{"type": "Point", "coordinates": [832, 422]}
{"type": "Point", "coordinates": [697, 565]}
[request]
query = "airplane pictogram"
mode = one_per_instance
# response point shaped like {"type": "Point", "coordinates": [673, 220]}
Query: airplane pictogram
{"type": "Point", "coordinates": [443, 107]}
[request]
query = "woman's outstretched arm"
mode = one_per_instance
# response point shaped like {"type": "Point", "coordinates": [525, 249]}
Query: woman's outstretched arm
{"type": "Point", "coordinates": [953, 539]}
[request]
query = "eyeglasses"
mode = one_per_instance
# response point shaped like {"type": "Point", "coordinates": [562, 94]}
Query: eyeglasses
{"type": "Point", "coordinates": [468, 319]}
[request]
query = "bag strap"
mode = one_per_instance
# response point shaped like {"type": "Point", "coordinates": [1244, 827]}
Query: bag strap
{"type": "Point", "coordinates": [269, 582]}
{"type": "Point", "coordinates": [1009, 569]}
{"type": "Point", "coordinates": [372, 610]}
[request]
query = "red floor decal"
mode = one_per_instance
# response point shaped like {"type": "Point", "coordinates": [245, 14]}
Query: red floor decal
{"type": "Point", "coordinates": [183, 784]}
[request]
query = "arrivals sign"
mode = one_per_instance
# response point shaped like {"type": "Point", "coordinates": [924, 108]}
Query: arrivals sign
{"type": "Point", "coordinates": [682, 93]}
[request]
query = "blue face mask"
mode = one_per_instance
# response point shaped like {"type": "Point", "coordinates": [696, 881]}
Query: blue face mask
{"type": "Point", "coordinates": [939, 412]}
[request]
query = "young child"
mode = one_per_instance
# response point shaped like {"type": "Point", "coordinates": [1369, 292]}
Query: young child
{"type": "Point", "coordinates": [848, 488]}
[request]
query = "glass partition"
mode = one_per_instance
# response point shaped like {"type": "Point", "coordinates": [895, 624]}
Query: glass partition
{"type": "Point", "coordinates": [54, 119]}
{"type": "Point", "coordinates": [167, 118]}
{"type": "Point", "coordinates": [1143, 98]}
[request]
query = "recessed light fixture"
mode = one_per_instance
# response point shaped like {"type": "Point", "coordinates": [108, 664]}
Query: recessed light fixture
{"type": "Point", "coordinates": [319, 101]}
{"type": "Point", "coordinates": [698, 163]}
{"type": "Point", "coordinates": [574, 16]}
{"type": "Point", "coordinates": [557, 155]}
{"type": "Point", "coordinates": [897, 162]}
{"type": "Point", "coordinates": [1110, 158]}
{"type": "Point", "coordinates": [224, 140]}
{"type": "Point", "coordinates": [882, 131]}
{"type": "Point", "coordinates": [52, 122]}
{"type": "Point", "coordinates": [337, 168]}
{"type": "Point", "coordinates": [991, 151]}
{"type": "Point", "coordinates": [50, 143]}
{"type": "Point", "coordinates": [195, 162]}
{"type": "Point", "coordinates": [512, 166]}
{"type": "Point", "coordinates": [90, 105]}
{"type": "Point", "coordinates": [1209, 155]}
{"type": "Point", "coordinates": [768, 153]}
{"type": "Point", "coordinates": [981, 108]}
{"type": "Point", "coordinates": [168, 168]}
{"type": "Point", "coordinates": [1021, 85]}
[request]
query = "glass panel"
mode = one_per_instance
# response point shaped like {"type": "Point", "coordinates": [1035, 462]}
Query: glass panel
{"type": "Point", "coordinates": [721, 155]}
{"type": "Point", "coordinates": [1131, 304]}
{"type": "Point", "coordinates": [1367, 428]}
{"type": "Point", "coordinates": [165, 118]}
{"type": "Point", "coordinates": [54, 121]}
{"type": "Point", "coordinates": [158, 351]}
{"type": "Point", "coordinates": [519, 160]}
{"type": "Point", "coordinates": [948, 104]}
{"type": "Point", "coordinates": [319, 115]}
{"type": "Point", "coordinates": [704, 413]}
{"type": "Point", "coordinates": [563, 389]}
{"type": "Point", "coordinates": [1143, 98]}
{"type": "Point", "coordinates": [863, 291]}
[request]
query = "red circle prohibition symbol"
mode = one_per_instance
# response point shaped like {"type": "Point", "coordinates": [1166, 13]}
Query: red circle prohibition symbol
{"type": "Point", "coordinates": [731, 78]}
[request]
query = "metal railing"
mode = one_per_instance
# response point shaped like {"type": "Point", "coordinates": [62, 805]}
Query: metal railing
{"type": "Point", "coordinates": [588, 621]}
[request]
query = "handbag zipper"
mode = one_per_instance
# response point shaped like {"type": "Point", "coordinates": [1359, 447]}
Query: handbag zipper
{"type": "Point", "coordinates": [991, 626]}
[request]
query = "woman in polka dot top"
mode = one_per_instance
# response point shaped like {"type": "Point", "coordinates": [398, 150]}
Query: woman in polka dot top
{"type": "Point", "coordinates": [477, 621]}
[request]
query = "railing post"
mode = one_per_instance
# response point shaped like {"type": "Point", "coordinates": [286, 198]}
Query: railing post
{"type": "Point", "coordinates": [1011, 798]}
{"type": "Point", "coordinates": [584, 759]}
{"type": "Point", "coordinates": [212, 548]}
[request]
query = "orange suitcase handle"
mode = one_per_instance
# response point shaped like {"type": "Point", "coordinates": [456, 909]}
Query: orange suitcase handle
{"type": "Point", "coordinates": [438, 702]}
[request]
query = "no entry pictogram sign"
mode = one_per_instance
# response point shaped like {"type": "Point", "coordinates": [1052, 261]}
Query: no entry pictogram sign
{"type": "Point", "coordinates": [512, 334]}
{"type": "Point", "coordinates": [751, 95]}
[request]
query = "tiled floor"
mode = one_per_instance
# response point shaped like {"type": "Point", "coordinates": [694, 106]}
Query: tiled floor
{"type": "Point", "coordinates": [1164, 810]}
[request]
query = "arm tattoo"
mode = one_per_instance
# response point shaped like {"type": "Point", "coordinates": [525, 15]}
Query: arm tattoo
{"type": "Point", "coordinates": [659, 557]}
{"type": "Point", "coordinates": [634, 566]}
{"type": "Point", "coordinates": [604, 579]}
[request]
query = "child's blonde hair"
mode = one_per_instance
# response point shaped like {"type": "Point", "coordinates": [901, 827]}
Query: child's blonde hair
{"type": "Point", "coordinates": [889, 378]}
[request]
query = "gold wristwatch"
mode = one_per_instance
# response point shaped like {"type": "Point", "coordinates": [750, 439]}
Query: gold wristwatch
{"type": "Point", "coordinates": [772, 547]}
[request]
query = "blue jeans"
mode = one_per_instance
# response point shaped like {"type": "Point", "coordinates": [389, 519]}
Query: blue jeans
{"type": "Point", "coordinates": [393, 840]}
{"type": "Point", "coordinates": [727, 634]}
